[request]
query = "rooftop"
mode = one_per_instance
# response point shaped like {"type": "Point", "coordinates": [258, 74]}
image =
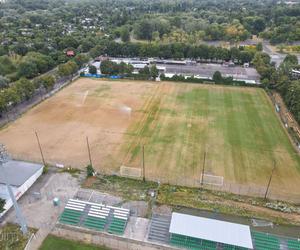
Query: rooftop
{"type": "Point", "coordinates": [17, 172]}
{"type": "Point", "coordinates": [212, 230]}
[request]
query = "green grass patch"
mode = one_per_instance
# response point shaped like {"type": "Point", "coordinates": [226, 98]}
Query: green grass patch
{"type": "Point", "coordinates": [72, 171]}
{"type": "Point", "coordinates": [11, 237]}
{"type": "Point", "coordinates": [236, 126]}
{"type": "Point", "coordinates": [129, 189]}
{"type": "Point", "coordinates": [57, 243]}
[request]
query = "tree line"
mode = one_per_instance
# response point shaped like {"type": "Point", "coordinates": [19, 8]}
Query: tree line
{"type": "Point", "coordinates": [280, 79]}
{"type": "Point", "coordinates": [173, 50]}
{"type": "Point", "coordinates": [24, 89]}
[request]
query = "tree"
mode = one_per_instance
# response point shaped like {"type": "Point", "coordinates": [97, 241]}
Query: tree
{"type": "Point", "coordinates": [25, 88]}
{"type": "Point", "coordinates": [259, 47]}
{"type": "Point", "coordinates": [3, 82]}
{"type": "Point", "coordinates": [6, 65]}
{"type": "Point", "coordinates": [2, 204]}
{"type": "Point", "coordinates": [144, 29]}
{"type": "Point", "coordinates": [217, 77]}
{"type": "Point", "coordinates": [90, 170]}
{"type": "Point", "coordinates": [27, 69]}
{"type": "Point", "coordinates": [125, 34]}
{"type": "Point", "coordinates": [124, 68]}
{"type": "Point", "coordinates": [47, 82]}
{"type": "Point", "coordinates": [154, 72]}
{"type": "Point", "coordinates": [108, 67]}
{"type": "Point", "coordinates": [67, 69]}
{"type": "Point", "coordinates": [145, 71]}
{"type": "Point", "coordinates": [92, 69]}
{"type": "Point", "coordinates": [291, 59]}
{"type": "Point", "coordinates": [254, 24]}
{"type": "Point", "coordinates": [68, 42]}
{"type": "Point", "coordinates": [81, 59]}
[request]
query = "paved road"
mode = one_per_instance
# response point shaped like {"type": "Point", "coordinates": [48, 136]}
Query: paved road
{"type": "Point", "coordinates": [275, 56]}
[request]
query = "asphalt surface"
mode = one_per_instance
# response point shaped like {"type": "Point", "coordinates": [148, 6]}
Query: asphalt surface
{"type": "Point", "coordinates": [207, 70]}
{"type": "Point", "coordinates": [276, 57]}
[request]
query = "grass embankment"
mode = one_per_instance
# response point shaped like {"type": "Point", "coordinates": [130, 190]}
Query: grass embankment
{"type": "Point", "coordinates": [175, 196]}
{"type": "Point", "coordinates": [57, 243]}
{"type": "Point", "coordinates": [11, 237]}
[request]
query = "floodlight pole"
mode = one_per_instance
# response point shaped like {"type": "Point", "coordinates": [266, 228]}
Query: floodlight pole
{"type": "Point", "coordinates": [203, 168]}
{"type": "Point", "coordinates": [89, 151]}
{"type": "Point", "coordinates": [143, 162]}
{"type": "Point", "coordinates": [40, 147]}
{"type": "Point", "coordinates": [20, 218]}
{"type": "Point", "coordinates": [271, 176]}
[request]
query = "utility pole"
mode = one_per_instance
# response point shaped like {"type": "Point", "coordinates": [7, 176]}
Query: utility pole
{"type": "Point", "coordinates": [271, 176]}
{"type": "Point", "coordinates": [41, 151]}
{"type": "Point", "coordinates": [143, 162]}
{"type": "Point", "coordinates": [21, 220]}
{"type": "Point", "coordinates": [89, 150]}
{"type": "Point", "coordinates": [203, 168]}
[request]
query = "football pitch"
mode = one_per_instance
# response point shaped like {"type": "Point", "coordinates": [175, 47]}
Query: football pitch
{"type": "Point", "coordinates": [232, 133]}
{"type": "Point", "coordinates": [229, 132]}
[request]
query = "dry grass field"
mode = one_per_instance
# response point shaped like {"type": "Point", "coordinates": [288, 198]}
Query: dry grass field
{"type": "Point", "coordinates": [177, 122]}
{"type": "Point", "coordinates": [97, 109]}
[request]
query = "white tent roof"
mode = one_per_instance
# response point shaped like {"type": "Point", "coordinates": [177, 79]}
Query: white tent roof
{"type": "Point", "coordinates": [210, 229]}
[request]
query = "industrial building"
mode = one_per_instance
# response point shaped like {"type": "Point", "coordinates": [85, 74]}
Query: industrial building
{"type": "Point", "coordinates": [20, 176]}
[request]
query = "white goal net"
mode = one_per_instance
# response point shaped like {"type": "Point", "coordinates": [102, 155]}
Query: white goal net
{"type": "Point", "coordinates": [130, 172]}
{"type": "Point", "coordinates": [210, 179]}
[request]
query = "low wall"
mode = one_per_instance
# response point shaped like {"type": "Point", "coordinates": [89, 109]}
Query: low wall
{"type": "Point", "coordinates": [104, 239]}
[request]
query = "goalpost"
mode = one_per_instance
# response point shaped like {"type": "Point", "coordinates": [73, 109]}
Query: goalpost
{"type": "Point", "coordinates": [130, 172]}
{"type": "Point", "coordinates": [209, 179]}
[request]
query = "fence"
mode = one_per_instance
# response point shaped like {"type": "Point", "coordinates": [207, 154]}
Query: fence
{"type": "Point", "coordinates": [111, 241]}
{"type": "Point", "coordinates": [287, 118]}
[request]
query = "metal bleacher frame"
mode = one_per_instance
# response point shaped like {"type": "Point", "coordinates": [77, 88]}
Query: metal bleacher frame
{"type": "Point", "coordinates": [95, 216]}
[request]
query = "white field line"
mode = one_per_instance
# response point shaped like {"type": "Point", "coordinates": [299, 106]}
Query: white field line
{"type": "Point", "coordinates": [84, 97]}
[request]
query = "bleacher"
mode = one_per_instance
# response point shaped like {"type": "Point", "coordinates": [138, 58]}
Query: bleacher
{"type": "Point", "coordinates": [119, 220]}
{"type": "Point", "coordinates": [264, 241]}
{"type": "Point", "coordinates": [95, 216]}
{"type": "Point", "coordinates": [192, 243]}
{"type": "Point", "coordinates": [229, 247]}
{"type": "Point", "coordinates": [72, 213]}
{"type": "Point", "coordinates": [293, 244]}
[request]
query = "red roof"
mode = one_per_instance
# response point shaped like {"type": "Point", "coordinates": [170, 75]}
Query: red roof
{"type": "Point", "coordinates": [70, 53]}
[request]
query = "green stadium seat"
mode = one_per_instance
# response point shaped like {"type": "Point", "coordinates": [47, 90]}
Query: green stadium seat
{"type": "Point", "coordinates": [117, 226]}
{"type": "Point", "coordinates": [293, 244]}
{"type": "Point", "coordinates": [264, 241]}
{"type": "Point", "coordinates": [70, 217]}
{"type": "Point", "coordinates": [95, 223]}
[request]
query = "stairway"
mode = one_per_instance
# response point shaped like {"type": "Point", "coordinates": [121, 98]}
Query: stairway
{"type": "Point", "coordinates": [84, 214]}
{"type": "Point", "coordinates": [159, 228]}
